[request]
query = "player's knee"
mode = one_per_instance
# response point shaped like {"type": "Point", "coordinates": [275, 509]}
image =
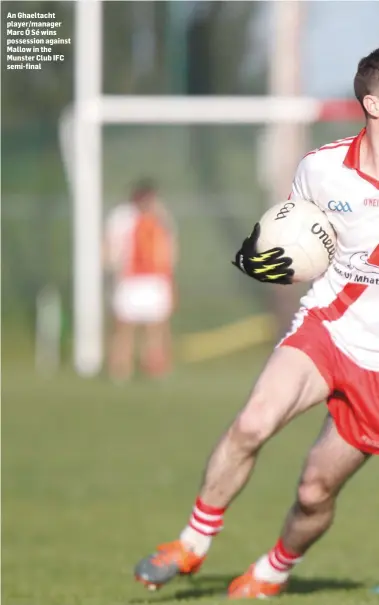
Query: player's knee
{"type": "Point", "coordinates": [254, 425]}
{"type": "Point", "coordinates": [314, 493]}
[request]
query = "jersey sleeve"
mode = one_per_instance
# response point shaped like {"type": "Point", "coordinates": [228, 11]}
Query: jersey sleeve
{"type": "Point", "coordinates": [306, 183]}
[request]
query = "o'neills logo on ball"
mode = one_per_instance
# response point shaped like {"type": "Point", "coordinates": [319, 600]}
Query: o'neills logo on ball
{"type": "Point", "coordinates": [325, 239]}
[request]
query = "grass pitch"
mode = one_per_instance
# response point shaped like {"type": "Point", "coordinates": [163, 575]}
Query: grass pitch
{"type": "Point", "coordinates": [94, 476]}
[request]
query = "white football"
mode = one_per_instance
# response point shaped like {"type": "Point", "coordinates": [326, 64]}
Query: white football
{"type": "Point", "coordinates": [305, 234]}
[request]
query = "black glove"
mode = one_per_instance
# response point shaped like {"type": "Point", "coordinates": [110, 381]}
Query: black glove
{"type": "Point", "coordinates": [270, 266]}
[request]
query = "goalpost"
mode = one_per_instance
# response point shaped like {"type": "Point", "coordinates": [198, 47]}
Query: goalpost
{"type": "Point", "coordinates": [80, 131]}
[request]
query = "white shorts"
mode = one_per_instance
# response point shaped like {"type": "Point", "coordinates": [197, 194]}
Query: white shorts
{"type": "Point", "coordinates": [143, 299]}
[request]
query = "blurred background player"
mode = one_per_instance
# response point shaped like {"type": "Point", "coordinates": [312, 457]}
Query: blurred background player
{"type": "Point", "coordinates": [140, 253]}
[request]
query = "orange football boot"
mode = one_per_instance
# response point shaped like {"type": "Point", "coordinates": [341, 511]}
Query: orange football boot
{"type": "Point", "coordinates": [248, 587]}
{"type": "Point", "coordinates": [170, 560]}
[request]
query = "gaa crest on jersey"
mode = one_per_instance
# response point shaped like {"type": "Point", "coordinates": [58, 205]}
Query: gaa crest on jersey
{"type": "Point", "coordinates": [335, 206]}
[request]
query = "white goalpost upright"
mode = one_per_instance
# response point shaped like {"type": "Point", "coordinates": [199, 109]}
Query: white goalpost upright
{"type": "Point", "coordinates": [86, 178]}
{"type": "Point", "coordinates": [80, 131]}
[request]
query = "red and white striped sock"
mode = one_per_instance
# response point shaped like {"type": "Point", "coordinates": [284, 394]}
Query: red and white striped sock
{"type": "Point", "coordinates": [277, 564]}
{"type": "Point", "coordinates": [282, 559]}
{"type": "Point", "coordinates": [205, 523]}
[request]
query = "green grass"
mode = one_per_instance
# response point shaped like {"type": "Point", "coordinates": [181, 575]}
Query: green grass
{"type": "Point", "coordinates": [94, 476]}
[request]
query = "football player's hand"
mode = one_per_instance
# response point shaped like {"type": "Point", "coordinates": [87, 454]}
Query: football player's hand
{"type": "Point", "coordinates": [269, 266]}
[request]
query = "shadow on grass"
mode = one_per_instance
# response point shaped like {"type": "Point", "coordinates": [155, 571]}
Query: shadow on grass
{"type": "Point", "coordinates": [216, 585]}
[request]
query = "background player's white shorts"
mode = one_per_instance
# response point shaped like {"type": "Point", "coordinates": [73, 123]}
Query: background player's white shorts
{"type": "Point", "coordinates": [143, 299]}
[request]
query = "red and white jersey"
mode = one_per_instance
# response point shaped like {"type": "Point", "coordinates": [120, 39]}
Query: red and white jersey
{"type": "Point", "coordinates": [346, 297]}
